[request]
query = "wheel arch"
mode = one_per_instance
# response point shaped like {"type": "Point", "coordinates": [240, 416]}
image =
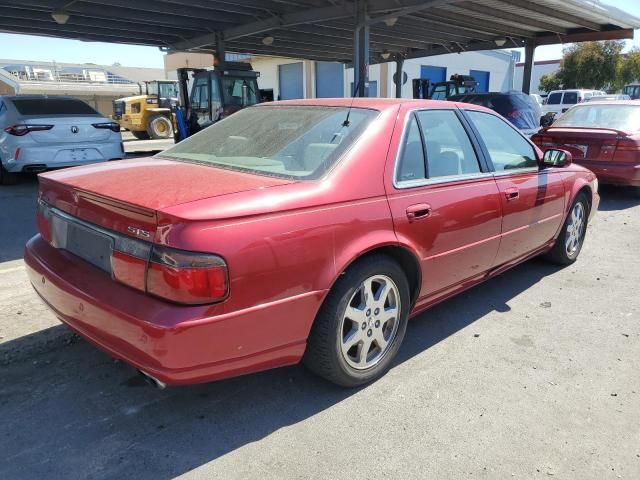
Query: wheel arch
{"type": "Point", "coordinates": [407, 260]}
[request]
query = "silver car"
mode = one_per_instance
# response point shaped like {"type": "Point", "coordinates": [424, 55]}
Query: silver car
{"type": "Point", "coordinates": [38, 133]}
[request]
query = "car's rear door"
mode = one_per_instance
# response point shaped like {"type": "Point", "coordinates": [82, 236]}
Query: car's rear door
{"type": "Point", "coordinates": [444, 201]}
{"type": "Point", "coordinates": [532, 199]}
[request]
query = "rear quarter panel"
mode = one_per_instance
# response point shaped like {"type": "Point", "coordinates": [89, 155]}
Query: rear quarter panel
{"type": "Point", "coordinates": [293, 239]}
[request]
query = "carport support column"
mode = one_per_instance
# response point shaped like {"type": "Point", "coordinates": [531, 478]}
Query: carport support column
{"type": "Point", "coordinates": [529, 49]}
{"type": "Point", "coordinates": [399, 65]}
{"type": "Point", "coordinates": [220, 47]}
{"type": "Point", "coordinates": [361, 50]}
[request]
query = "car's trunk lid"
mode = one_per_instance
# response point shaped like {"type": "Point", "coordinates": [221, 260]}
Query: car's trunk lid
{"type": "Point", "coordinates": [126, 196]}
{"type": "Point", "coordinates": [583, 143]}
{"type": "Point", "coordinates": [68, 129]}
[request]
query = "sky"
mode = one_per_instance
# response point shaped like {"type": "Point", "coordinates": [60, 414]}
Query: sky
{"type": "Point", "coordinates": [27, 47]}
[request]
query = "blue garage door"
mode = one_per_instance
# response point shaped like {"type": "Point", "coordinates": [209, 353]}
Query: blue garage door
{"type": "Point", "coordinates": [290, 81]}
{"type": "Point", "coordinates": [329, 80]}
{"type": "Point", "coordinates": [482, 78]}
{"type": "Point", "coordinates": [370, 89]}
{"type": "Point", "coordinates": [433, 74]}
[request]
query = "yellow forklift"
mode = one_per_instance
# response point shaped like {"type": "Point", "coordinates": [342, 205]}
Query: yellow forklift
{"type": "Point", "coordinates": [149, 115]}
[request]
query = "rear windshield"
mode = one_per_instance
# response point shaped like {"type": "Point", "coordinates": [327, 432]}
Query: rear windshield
{"type": "Point", "coordinates": [519, 110]}
{"type": "Point", "coordinates": [300, 142]}
{"type": "Point", "coordinates": [593, 115]}
{"type": "Point", "coordinates": [52, 106]}
{"type": "Point", "coordinates": [554, 98]}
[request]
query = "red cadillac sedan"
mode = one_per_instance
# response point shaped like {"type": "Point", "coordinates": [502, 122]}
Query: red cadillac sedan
{"type": "Point", "coordinates": [304, 230]}
{"type": "Point", "coordinates": [603, 136]}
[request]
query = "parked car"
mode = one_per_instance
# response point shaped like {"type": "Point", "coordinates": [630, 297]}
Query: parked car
{"type": "Point", "coordinates": [633, 90]}
{"type": "Point", "coordinates": [39, 132]}
{"type": "Point", "coordinates": [559, 101]}
{"type": "Point", "coordinates": [306, 229]}
{"type": "Point", "coordinates": [539, 100]}
{"type": "Point", "coordinates": [520, 109]}
{"type": "Point", "coordinates": [601, 136]}
{"type": "Point", "coordinates": [600, 98]}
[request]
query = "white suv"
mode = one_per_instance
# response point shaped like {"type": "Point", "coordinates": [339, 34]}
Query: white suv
{"type": "Point", "coordinates": [39, 132]}
{"type": "Point", "coordinates": [559, 101]}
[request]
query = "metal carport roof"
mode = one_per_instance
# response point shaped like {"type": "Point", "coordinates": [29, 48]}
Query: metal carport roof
{"type": "Point", "coordinates": [321, 29]}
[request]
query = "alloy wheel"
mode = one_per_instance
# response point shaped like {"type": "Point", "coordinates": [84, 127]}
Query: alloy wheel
{"type": "Point", "coordinates": [575, 229]}
{"type": "Point", "coordinates": [370, 322]}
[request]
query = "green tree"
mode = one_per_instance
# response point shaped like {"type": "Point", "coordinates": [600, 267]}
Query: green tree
{"type": "Point", "coordinates": [549, 82]}
{"type": "Point", "coordinates": [593, 65]}
{"type": "Point", "coordinates": [629, 67]}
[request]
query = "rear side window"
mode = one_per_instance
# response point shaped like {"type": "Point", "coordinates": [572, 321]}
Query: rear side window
{"type": "Point", "coordinates": [507, 148]}
{"type": "Point", "coordinates": [554, 98]}
{"type": "Point", "coordinates": [52, 106]}
{"type": "Point", "coordinates": [412, 165]}
{"type": "Point", "coordinates": [438, 135]}
{"type": "Point", "coordinates": [570, 98]}
{"type": "Point", "coordinates": [449, 150]}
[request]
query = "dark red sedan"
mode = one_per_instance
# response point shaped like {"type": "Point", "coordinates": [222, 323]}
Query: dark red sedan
{"type": "Point", "coordinates": [603, 136]}
{"type": "Point", "coordinates": [303, 230]}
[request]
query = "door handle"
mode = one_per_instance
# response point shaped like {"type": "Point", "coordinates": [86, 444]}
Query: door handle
{"type": "Point", "coordinates": [418, 212]}
{"type": "Point", "coordinates": [511, 193]}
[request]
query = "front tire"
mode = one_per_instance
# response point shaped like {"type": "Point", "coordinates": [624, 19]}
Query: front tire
{"type": "Point", "coordinates": [160, 127]}
{"type": "Point", "coordinates": [569, 243]}
{"type": "Point", "coordinates": [361, 323]}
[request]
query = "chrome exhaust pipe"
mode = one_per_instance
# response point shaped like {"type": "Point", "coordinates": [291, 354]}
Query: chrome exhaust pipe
{"type": "Point", "coordinates": [153, 380]}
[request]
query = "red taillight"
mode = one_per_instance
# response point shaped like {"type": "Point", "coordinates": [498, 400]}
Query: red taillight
{"type": "Point", "coordinates": [16, 155]}
{"type": "Point", "coordinates": [128, 269]}
{"type": "Point", "coordinates": [113, 126]}
{"type": "Point", "coordinates": [627, 150]}
{"type": "Point", "coordinates": [22, 130]}
{"type": "Point", "coordinates": [187, 277]}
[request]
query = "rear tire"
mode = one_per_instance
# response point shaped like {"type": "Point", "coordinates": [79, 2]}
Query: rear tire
{"type": "Point", "coordinates": [6, 177]}
{"type": "Point", "coordinates": [140, 134]}
{"type": "Point", "coordinates": [361, 324]}
{"type": "Point", "coordinates": [569, 243]}
{"type": "Point", "coordinates": [160, 127]}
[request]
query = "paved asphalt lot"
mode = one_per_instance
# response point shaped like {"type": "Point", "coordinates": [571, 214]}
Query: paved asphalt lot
{"type": "Point", "coordinates": [535, 374]}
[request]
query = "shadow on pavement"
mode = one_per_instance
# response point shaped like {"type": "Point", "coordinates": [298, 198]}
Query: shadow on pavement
{"type": "Point", "coordinates": [75, 412]}
{"type": "Point", "coordinates": [617, 198]}
{"type": "Point", "coordinates": [17, 216]}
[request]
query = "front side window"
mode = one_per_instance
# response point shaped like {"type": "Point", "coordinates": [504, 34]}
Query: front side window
{"type": "Point", "coordinates": [570, 98]}
{"type": "Point", "coordinates": [233, 91]}
{"type": "Point", "coordinates": [297, 142]}
{"type": "Point", "coordinates": [554, 98]}
{"type": "Point", "coordinates": [507, 148]}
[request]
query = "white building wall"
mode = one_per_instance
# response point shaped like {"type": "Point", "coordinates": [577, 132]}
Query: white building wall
{"type": "Point", "coordinates": [268, 68]}
{"type": "Point", "coordinates": [539, 69]}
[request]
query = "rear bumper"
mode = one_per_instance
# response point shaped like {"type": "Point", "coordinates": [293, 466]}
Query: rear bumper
{"type": "Point", "coordinates": [61, 156]}
{"type": "Point", "coordinates": [176, 344]}
{"type": "Point", "coordinates": [614, 173]}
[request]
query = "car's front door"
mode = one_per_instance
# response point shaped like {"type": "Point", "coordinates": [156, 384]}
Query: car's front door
{"type": "Point", "coordinates": [444, 201]}
{"type": "Point", "coordinates": [532, 199]}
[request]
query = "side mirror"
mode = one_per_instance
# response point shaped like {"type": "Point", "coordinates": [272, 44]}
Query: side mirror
{"type": "Point", "coordinates": [556, 158]}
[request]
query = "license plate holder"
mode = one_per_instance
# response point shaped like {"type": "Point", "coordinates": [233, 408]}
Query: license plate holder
{"type": "Point", "coordinates": [90, 245]}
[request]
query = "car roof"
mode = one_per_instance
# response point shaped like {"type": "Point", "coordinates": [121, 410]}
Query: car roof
{"type": "Point", "coordinates": [370, 102]}
{"type": "Point", "coordinates": [611, 102]}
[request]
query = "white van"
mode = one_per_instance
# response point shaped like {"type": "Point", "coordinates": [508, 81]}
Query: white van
{"type": "Point", "coordinates": [559, 101]}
